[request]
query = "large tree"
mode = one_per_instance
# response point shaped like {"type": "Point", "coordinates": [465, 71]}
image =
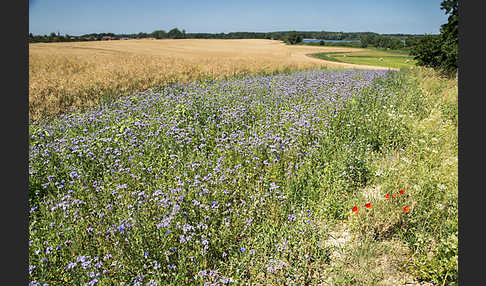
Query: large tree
{"type": "Point", "coordinates": [449, 36]}
{"type": "Point", "coordinates": [441, 52]}
{"type": "Point", "coordinates": [176, 34]}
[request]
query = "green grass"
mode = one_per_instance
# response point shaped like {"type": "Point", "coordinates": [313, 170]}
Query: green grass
{"type": "Point", "coordinates": [399, 133]}
{"type": "Point", "coordinates": [388, 51]}
{"type": "Point", "coordinates": [425, 166]}
{"type": "Point", "coordinates": [372, 57]}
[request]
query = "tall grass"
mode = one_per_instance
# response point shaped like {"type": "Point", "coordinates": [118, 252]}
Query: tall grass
{"type": "Point", "coordinates": [423, 163]}
{"type": "Point", "coordinates": [242, 180]}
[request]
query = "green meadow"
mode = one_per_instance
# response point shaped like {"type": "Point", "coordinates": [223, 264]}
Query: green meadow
{"type": "Point", "coordinates": [372, 57]}
{"type": "Point", "coordinates": [318, 177]}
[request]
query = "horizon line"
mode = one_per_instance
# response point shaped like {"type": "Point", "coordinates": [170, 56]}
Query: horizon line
{"type": "Point", "coordinates": [215, 33]}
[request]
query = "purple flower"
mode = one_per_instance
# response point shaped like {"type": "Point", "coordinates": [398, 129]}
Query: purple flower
{"type": "Point", "coordinates": [225, 280]}
{"type": "Point", "coordinates": [71, 265]}
{"type": "Point", "coordinates": [202, 273]}
{"type": "Point", "coordinates": [254, 125]}
{"type": "Point", "coordinates": [86, 264]}
{"type": "Point", "coordinates": [48, 250]}
{"type": "Point", "coordinates": [273, 186]}
{"type": "Point", "coordinates": [156, 265]}
{"type": "Point", "coordinates": [120, 187]}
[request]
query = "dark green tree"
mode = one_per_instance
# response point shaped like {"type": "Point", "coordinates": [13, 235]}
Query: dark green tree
{"type": "Point", "coordinates": [395, 44]}
{"type": "Point", "coordinates": [175, 34]}
{"type": "Point", "coordinates": [427, 51]}
{"type": "Point", "coordinates": [441, 52]}
{"type": "Point", "coordinates": [364, 41]}
{"type": "Point", "coordinates": [410, 41]}
{"type": "Point", "coordinates": [159, 34]}
{"type": "Point", "coordinates": [449, 37]}
{"type": "Point", "coordinates": [293, 38]}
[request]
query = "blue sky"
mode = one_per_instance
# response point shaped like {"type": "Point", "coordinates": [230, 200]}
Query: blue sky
{"type": "Point", "coordinates": [216, 16]}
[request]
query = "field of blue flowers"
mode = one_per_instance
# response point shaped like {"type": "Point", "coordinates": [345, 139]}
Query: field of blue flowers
{"type": "Point", "coordinates": [207, 183]}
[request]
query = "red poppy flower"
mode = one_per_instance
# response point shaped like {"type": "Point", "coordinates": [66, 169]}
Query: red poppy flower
{"type": "Point", "coordinates": [387, 196]}
{"type": "Point", "coordinates": [402, 191]}
{"type": "Point", "coordinates": [355, 209]}
{"type": "Point", "coordinates": [394, 195]}
{"type": "Point", "coordinates": [406, 209]}
{"type": "Point", "coordinates": [368, 205]}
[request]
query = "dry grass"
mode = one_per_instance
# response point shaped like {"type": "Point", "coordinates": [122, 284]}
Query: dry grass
{"type": "Point", "coordinates": [79, 74]}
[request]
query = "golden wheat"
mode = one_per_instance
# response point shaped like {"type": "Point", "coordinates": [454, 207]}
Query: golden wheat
{"type": "Point", "coordinates": [79, 74]}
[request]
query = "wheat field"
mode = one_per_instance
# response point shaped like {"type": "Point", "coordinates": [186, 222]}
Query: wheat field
{"type": "Point", "coordinates": [73, 75]}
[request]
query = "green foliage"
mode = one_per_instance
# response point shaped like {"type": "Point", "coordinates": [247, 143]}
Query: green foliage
{"type": "Point", "coordinates": [410, 41]}
{"type": "Point", "coordinates": [381, 41]}
{"type": "Point", "coordinates": [176, 34]}
{"type": "Point", "coordinates": [427, 169]}
{"type": "Point", "coordinates": [364, 42]}
{"type": "Point", "coordinates": [441, 52]}
{"type": "Point", "coordinates": [396, 44]}
{"type": "Point", "coordinates": [443, 266]}
{"type": "Point", "coordinates": [425, 166]}
{"type": "Point", "coordinates": [293, 38]}
{"type": "Point", "coordinates": [427, 51]}
{"type": "Point", "coordinates": [159, 34]}
{"type": "Point", "coordinates": [332, 44]}
{"type": "Point", "coordinates": [281, 35]}
{"type": "Point", "coordinates": [449, 33]}
{"type": "Point", "coordinates": [142, 35]}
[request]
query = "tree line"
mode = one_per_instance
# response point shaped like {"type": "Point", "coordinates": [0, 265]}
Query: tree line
{"type": "Point", "coordinates": [290, 37]}
{"type": "Point", "coordinates": [387, 42]}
